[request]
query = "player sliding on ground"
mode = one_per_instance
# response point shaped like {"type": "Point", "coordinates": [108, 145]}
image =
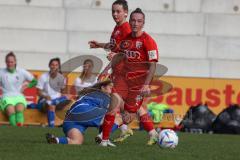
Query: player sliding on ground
{"type": "Point", "coordinates": [121, 30]}
{"type": "Point", "coordinates": [87, 111]}
{"type": "Point", "coordinates": [138, 64]}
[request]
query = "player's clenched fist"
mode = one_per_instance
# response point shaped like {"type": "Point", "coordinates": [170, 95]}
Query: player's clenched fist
{"type": "Point", "coordinates": [94, 44]}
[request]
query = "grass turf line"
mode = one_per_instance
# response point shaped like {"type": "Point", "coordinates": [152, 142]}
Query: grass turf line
{"type": "Point", "coordinates": [29, 143]}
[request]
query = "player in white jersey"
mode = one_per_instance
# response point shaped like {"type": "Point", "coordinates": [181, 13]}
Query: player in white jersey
{"type": "Point", "coordinates": [50, 88]}
{"type": "Point", "coordinates": [13, 82]}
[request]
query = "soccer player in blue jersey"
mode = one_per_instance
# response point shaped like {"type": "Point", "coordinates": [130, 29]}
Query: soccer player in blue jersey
{"type": "Point", "coordinates": [88, 111]}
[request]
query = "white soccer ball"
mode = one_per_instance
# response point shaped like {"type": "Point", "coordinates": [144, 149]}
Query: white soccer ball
{"type": "Point", "coordinates": [167, 139]}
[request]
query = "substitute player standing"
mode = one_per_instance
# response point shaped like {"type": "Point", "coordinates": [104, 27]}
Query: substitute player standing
{"type": "Point", "coordinates": [14, 81]}
{"type": "Point", "coordinates": [141, 55]}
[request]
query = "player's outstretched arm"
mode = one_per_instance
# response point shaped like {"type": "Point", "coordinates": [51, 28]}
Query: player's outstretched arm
{"type": "Point", "coordinates": [95, 44]}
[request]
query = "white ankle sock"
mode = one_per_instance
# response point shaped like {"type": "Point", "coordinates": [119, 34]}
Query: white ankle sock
{"type": "Point", "coordinates": [123, 127]}
{"type": "Point", "coordinates": [153, 132]}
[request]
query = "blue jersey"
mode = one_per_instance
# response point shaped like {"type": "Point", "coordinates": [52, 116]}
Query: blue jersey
{"type": "Point", "coordinates": [87, 111]}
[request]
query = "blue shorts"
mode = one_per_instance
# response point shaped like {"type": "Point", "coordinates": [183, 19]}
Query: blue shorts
{"type": "Point", "coordinates": [81, 126]}
{"type": "Point", "coordinates": [70, 125]}
{"type": "Point", "coordinates": [42, 102]}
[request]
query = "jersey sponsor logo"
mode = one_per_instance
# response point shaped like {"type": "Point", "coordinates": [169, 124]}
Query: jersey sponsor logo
{"type": "Point", "coordinates": [152, 54]}
{"type": "Point", "coordinates": [125, 44]}
{"type": "Point", "coordinates": [132, 55]}
{"type": "Point", "coordinates": [138, 44]}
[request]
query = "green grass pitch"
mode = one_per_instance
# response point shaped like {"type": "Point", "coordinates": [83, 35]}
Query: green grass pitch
{"type": "Point", "coordinates": [29, 143]}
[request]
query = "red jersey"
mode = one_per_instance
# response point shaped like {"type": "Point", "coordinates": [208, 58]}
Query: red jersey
{"type": "Point", "coordinates": [140, 49]}
{"type": "Point", "coordinates": [119, 33]}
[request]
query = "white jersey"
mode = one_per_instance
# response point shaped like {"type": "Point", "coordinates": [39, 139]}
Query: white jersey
{"type": "Point", "coordinates": [11, 83]}
{"type": "Point", "coordinates": [79, 85]}
{"type": "Point", "coordinates": [51, 87]}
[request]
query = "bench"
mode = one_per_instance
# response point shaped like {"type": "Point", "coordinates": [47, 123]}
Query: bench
{"type": "Point", "coordinates": [32, 117]}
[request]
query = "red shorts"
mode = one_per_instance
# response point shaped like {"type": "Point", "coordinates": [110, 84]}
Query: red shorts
{"type": "Point", "coordinates": [133, 108]}
{"type": "Point", "coordinates": [128, 87]}
{"type": "Point", "coordinates": [120, 86]}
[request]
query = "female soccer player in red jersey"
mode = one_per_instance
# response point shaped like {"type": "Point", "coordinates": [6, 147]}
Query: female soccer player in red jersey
{"type": "Point", "coordinates": [141, 55]}
{"type": "Point", "coordinates": [121, 30]}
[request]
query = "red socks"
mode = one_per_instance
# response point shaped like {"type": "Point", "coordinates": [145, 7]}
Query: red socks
{"type": "Point", "coordinates": [146, 122]}
{"type": "Point", "coordinates": [107, 126]}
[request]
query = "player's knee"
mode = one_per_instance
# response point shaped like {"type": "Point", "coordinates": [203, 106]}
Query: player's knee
{"type": "Point", "coordinates": [76, 141]}
{"type": "Point", "coordinates": [20, 107]}
{"type": "Point", "coordinates": [51, 108]}
{"type": "Point", "coordinates": [10, 110]}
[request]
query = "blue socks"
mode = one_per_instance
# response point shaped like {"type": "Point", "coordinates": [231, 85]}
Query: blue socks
{"type": "Point", "coordinates": [51, 118]}
{"type": "Point", "coordinates": [114, 127]}
{"type": "Point", "coordinates": [62, 140]}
